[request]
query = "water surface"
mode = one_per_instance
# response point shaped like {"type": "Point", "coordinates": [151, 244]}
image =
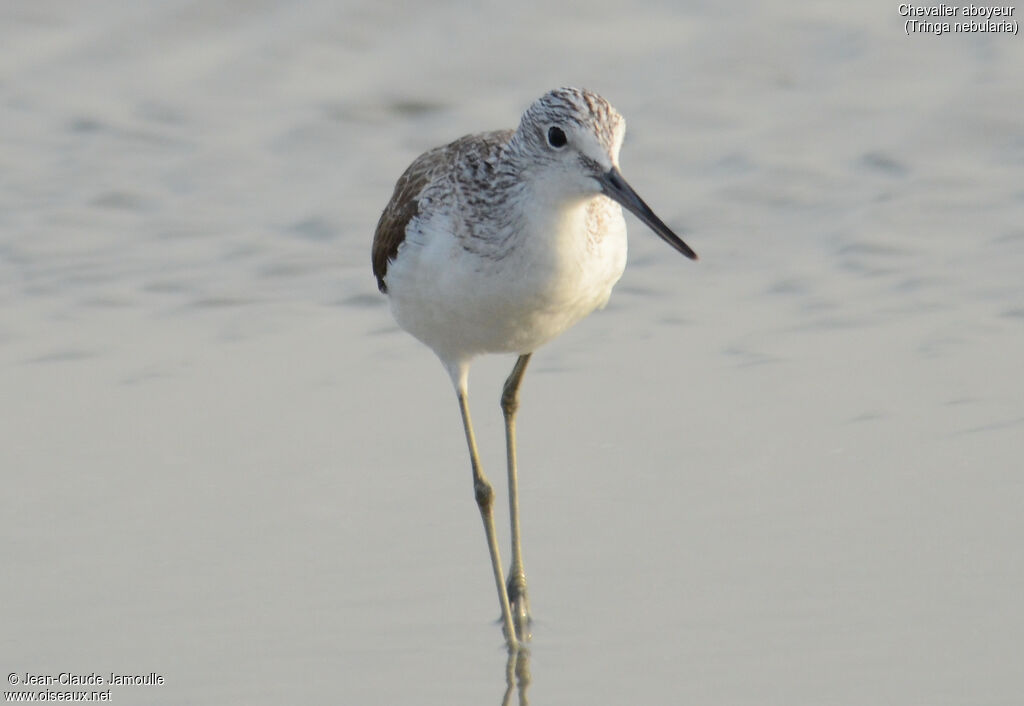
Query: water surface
{"type": "Point", "coordinates": [789, 473]}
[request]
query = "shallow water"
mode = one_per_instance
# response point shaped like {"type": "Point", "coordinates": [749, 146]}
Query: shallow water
{"type": "Point", "coordinates": [789, 473]}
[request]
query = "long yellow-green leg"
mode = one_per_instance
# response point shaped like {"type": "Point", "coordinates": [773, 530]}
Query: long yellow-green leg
{"type": "Point", "coordinates": [520, 603]}
{"type": "Point", "coordinates": [485, 501]}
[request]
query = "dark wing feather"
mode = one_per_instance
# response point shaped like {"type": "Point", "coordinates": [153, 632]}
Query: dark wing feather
{"type": "Point", "coordinates": [404, 204]}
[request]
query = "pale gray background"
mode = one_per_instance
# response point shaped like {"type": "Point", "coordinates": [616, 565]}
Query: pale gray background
{"type": "Point", "coordinates": [787, 474]}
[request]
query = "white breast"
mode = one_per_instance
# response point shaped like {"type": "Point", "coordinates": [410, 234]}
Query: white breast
{"type": "Point", "coordinates": [562, 266]}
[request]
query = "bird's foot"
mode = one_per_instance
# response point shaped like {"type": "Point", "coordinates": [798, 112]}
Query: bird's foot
{"type": "Point", "coordinates": [520, 604]}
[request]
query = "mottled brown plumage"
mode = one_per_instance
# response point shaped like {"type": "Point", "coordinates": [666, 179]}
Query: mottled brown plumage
{"type": "Point", "coordinates": [401, 209]}
{"type": "Point", "coordinates": [460, 171]}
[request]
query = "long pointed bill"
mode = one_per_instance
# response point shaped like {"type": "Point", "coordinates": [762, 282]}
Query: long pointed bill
{"type": "Point", "coordinates": [614, 186]}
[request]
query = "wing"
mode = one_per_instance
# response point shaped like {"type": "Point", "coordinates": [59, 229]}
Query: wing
{"type": "Point", "coordinates": [401, 209]}
{"type": "Point", "coordinates": [440, 170]}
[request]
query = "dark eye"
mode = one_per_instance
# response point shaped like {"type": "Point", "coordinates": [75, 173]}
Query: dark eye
{"type": "Point", "coordinates": [556, 137]}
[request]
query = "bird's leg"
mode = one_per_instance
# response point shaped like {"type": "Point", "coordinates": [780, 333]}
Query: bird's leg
{"type": "Point", "coordinates": [485, 501]}
{"type": "Point", "coordinates": [516, 574]}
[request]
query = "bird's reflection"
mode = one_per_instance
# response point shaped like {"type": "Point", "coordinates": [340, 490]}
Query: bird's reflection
{"type": "Point", "coordinates": [517, 677]}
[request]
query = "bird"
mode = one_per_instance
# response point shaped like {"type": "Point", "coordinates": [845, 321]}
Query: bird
{"type": "Point", "coordinates": [497, 243]}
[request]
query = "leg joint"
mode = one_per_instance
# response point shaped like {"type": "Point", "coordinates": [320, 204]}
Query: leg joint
{"type": "Point", "coordinates": [510, 393]}
{"type": "Point", "coordinates": [509, 400]}
{"type": "Point", "coordinates": [484, 493]}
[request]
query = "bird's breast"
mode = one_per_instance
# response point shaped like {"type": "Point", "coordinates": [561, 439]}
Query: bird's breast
{"type": "Point", "coordinates": [574, 253]}
{"type": "Point", "coordinates": [555, 267]}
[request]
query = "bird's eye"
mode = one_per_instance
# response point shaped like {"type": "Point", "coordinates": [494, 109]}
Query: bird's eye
{"type": "Point", "coordinates": [556, 137]}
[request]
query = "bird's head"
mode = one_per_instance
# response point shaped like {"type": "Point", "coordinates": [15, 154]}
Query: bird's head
{"type": "Point", "coordinates": [569, 140]}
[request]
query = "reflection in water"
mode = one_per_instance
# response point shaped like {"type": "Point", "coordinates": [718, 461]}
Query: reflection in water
{"type": "Point", "coordinates": [517, 676]}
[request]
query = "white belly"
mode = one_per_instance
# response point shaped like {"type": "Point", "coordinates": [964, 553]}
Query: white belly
{"type": "Point", "coordinates": [462, 304]}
